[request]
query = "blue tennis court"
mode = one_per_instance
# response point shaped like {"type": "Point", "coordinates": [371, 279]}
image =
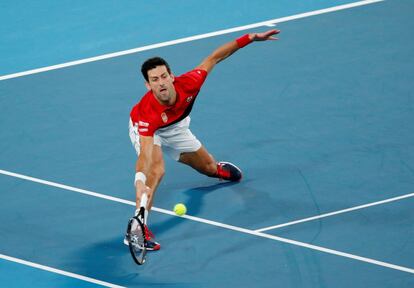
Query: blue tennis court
{"type": "Point", "coordinates": [320, 122]}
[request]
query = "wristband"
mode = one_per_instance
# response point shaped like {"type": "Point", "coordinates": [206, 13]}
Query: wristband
{"type": "Point", "coordinates": [243, 41]}
{"type": "Point", "coordinates": [140, 176]}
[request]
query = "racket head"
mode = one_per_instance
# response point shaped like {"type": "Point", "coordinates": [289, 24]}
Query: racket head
{"type": "Point", "coordinates": [136, 240]}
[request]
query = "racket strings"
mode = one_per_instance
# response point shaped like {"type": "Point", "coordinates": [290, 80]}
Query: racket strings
{"type": "Point", "coordinates": [136, 235]}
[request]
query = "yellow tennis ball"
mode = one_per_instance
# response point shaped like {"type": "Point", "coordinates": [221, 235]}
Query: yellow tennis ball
{"type": "Point", "coordinates": [180, 209]}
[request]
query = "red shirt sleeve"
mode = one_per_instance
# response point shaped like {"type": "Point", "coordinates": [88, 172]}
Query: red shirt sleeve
{"type": "Point", "coordinates": [193, 80]}
{"type": "Point", "coordinates": [146, 127]}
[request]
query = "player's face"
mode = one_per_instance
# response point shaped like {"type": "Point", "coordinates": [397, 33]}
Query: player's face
{"type": "Point", "coordinates": [161, 84]}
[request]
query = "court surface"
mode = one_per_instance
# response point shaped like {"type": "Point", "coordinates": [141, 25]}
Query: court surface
{"type": "Point", "coordinates": [320, 121]}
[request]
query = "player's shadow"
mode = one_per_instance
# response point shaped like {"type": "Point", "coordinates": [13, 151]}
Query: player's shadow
{"type": "Point", "coordinates": [108, 259]}
{"type": "Point", "coordinates": [195, 198]}
{"type": "Point", "coordinates": [97, 260]}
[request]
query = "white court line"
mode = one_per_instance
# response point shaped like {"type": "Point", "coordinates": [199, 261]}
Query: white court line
{"type": "Point", "coordinates": [58, 271]}
{"type": "Point", "coordinates": [217, 224]}
{"type": "Point", "coordinates": [192, 38]}
{"type": "Point", "coordinates": [336, 212]}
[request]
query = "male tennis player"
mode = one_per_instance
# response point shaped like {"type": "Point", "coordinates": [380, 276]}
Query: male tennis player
{"type": "Point", "coordinates": [160, 123]}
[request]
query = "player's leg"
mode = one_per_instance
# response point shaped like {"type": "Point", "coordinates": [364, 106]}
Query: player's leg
{"type": "Point", "coordinates": [200, 160]}
{"type": "Point", "coordinates": [203, 162]}
{"type": "Point", "coordinates": [184, 147]}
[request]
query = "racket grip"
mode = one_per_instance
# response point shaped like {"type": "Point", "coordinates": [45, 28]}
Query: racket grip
{"type": "Point", "coordinates": [144, 200]}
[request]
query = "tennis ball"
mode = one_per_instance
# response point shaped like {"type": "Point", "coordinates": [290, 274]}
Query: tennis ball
{"type": "Point", "coordinates": [180, 209]}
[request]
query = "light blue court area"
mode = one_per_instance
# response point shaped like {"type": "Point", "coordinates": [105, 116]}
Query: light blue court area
{"type": "Point", "coordinates": [319, 121]}
{"type": "Point", "coordinates": [39, 34]}
{"type": "Point", "coordinates": [383, 232]}
{"type": "Point", "coordinates": [83, 235]}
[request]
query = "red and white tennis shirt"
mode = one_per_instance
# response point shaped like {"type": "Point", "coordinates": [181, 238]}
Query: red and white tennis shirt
{"type": "Point", "coordinates": [150, 115]}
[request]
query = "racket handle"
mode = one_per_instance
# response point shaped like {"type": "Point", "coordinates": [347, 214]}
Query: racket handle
{"type": "Point", "coordinates": [144, 200]}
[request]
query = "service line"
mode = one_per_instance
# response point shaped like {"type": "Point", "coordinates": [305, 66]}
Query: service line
{"type": "Point", "coordinates": [336, 212]}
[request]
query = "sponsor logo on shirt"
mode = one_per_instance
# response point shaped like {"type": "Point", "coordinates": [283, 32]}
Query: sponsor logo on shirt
{"type": "Point", "coordinates": [189, 98]}
{"type": "Point", "coordinates": [142, 123]}
{"type": "Point", "coordinates": [164, 117]}
{"type": "Point", "coordinates": [142, 126]}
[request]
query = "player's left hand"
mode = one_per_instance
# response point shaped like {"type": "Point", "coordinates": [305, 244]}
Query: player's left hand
{"type": "Point", "coordinates": [268, 35]}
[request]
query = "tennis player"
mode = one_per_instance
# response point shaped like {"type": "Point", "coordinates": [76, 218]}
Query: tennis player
{"type": "Point", "coordinates": [160, 122]}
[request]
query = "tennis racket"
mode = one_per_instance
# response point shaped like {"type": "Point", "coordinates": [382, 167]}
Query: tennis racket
{"type": "Point", "coordinates": [136, 237]}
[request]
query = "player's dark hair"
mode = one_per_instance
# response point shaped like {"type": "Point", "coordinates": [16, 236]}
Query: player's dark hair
{"type": "Point", "coordinates": [153, 63]}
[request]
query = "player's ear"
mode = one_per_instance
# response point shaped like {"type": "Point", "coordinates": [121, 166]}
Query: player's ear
{"type": "Point", "coordinates": [172, 76]}
{"type": "Point", "coordinates": [147, 85]}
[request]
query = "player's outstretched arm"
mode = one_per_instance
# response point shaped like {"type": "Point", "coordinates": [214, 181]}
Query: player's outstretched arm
{"type": "Point", "coordinates": [229, 48]}
{"type": "Point", "coordinates": [142, 167]}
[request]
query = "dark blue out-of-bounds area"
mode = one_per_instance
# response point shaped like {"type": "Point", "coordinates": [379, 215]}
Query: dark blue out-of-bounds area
{"type": "Point", "coordinates": [319, 121]}
{"type": "Point", "coordinates": [34, 35]}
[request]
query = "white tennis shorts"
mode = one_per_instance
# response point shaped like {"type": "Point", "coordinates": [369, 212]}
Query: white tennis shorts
{"type": "Point", "coordinates": [173, 140]}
